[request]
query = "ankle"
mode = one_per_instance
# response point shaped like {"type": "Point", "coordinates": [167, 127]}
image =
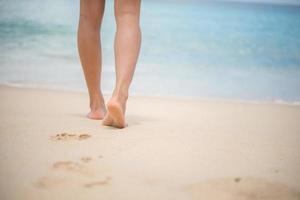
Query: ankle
{"type": "Point", "coordinates": [121, 95]}
{"type": "Point", "coordinates": [96, 102]}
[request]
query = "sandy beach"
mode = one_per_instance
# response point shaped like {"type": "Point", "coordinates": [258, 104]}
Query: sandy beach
{"type": "Point", "coordinates": [172, 149]}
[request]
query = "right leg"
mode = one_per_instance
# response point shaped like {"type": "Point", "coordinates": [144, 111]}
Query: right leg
{"type": "Point", "coordinates": [89, 47]}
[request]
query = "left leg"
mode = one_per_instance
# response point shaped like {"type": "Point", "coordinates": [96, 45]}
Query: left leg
{"type": "Point", "coordinates": [127, 47]}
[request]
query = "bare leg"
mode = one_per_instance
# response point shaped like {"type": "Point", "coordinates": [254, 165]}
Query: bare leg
{"type": "Point", "coordinates": [127, 47]}
{"type": "Point", "coordinates": [89, 47]}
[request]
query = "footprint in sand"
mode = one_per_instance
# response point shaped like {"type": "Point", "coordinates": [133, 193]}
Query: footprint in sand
{"type": "Point", "coordinates": [86, 159]}
{"type": "Point", "coordinates": [69, 136]}
{"type": "Point", "coordinates": [70, 166]}
{"type": "Point", "coordinates": [47, 182]}
{"type": "Point", "coordinates": [98, 183]}
{"type": "Point", "coordinates": [242, 188]}
{"type": "Point", "coordinates": [65, 170]}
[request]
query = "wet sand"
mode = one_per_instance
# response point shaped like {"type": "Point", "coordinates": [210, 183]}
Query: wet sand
{"type": "Point", "coordinates": [172, 149]}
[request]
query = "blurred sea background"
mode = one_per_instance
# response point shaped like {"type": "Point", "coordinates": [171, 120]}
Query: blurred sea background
{"type": "Point", "coordinates": [198, 49]}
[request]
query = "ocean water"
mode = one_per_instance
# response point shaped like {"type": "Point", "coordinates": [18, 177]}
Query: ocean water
{"type": "Point", "coordinates": [201, 49]}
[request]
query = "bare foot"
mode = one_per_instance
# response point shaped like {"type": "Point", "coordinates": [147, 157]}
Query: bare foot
{"type": "Point", "coordinates": [97, 114]}
{"type": "Point", "coordinates": [98, 109]}
{"type": "Point", "coordinates": [107, 120]}
{"type": "Point", "coordinates": [116, 113]}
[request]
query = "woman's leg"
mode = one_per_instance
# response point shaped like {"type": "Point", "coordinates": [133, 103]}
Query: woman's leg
{"type": "Point", "coordinates": [89, 47]}
{"type": "Point", "coordinates": [127, 47]}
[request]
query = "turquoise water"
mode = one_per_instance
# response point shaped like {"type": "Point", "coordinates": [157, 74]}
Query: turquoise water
{"type": "Point", "coordinates": [193, 49]}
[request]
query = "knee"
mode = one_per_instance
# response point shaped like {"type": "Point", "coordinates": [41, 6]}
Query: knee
{"type": "Point", "coordinates": [128, 16]}
{"type": "Point", "coordinates": [89, 21]}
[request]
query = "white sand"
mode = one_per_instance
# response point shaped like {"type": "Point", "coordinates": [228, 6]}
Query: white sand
{"type": "Point", "coordinates": [172, 149]}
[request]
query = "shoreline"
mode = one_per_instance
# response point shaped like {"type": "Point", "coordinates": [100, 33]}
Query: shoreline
{"type": "Point", "coordinates": [189, 98]}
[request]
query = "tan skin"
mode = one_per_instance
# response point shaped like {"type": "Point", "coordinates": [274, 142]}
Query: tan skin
{"type": "Point", "coordinates": [126, 49]}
